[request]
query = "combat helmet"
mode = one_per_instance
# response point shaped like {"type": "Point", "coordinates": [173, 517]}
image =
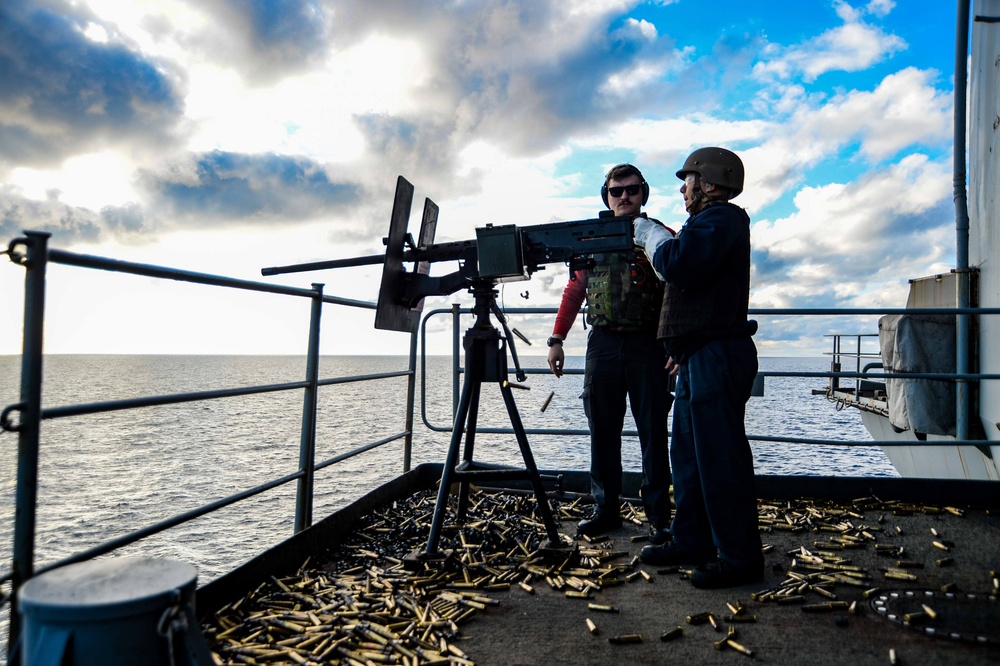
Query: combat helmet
{"type": "Point", "coordinates": [717, 166]}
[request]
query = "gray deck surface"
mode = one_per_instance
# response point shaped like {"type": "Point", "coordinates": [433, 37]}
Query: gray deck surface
{"type": "Point", "coordinates": [548, 628]}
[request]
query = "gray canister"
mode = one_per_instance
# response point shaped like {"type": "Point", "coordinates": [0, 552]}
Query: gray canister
{"type": "Point", "coordinates": [113, 612]}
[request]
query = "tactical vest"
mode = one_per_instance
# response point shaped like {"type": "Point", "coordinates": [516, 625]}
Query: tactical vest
{"type": "Point", "coordinates": [623, 293]}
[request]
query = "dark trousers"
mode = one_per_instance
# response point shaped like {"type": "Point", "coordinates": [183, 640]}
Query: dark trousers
{"type": "Point", "coordinates": [631, 365]}
{"type": "Point", "coordinates": [714, 487]}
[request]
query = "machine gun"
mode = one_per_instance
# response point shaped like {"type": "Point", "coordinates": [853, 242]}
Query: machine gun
{"type": "Point", "coordinates": [498, 254]}
{"type": "Point", "coordinates": [505, 253]}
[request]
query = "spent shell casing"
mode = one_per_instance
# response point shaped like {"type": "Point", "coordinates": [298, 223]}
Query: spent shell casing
{"type": "Point", "coordinates": [830, 606]}
{"type": "Point", "coordinates": [698, 618]}
{"type": "Point", "coordinates": [931, 613]}
{"type": "Point", "coordinates": [739, 648]}
{"type": "Point", "coordinates": [892, 656]}
{"type": "Point", "coordinates": [604, 608]}
{"type": "Point", "coordinates": [791, 599]}
{"type": "Point", "coordinates": [945, 561]}
{"type": "Point", "coordinates": [900, 575]}
{"type": "Point", "coordinates": [591, 627]}
{"type": "Point", "coordinates": [941, 546]}
{"type": "Point", "coordinates": [909, 564]}
{"type": "Point", "coordinates": [742, 617]}
{"type": "Point", "coordinates": [672, 634]}
{"type": "Point", "coordinates": [712, 621]}
{"type": "Point", "coordinates": [625, 638]}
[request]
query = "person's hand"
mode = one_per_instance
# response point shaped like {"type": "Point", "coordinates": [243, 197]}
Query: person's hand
{"type": "Point", "coordinates": [650, 236]}
{"type": "Point", "coordinates": [672, 367]}
{"type": "Point", "coordinates": [556, 359]}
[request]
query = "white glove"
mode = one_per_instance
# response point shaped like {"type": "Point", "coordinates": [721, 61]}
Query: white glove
{"type": "Point", "coordinates": [650, 236]}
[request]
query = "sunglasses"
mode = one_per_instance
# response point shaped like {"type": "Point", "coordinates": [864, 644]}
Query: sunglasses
{"type": "Point", "coordinates": [618, 190]}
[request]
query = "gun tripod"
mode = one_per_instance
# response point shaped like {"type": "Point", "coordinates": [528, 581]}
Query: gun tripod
{"type": "Point", "coordinates": [485, 360]}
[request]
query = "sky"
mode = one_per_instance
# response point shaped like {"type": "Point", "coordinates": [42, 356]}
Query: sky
{"type": "Point", "coordinates": [224, 136]}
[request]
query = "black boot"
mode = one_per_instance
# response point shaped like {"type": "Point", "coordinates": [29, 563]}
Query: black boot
{"type": "Point", "coordinates": [603, 521]}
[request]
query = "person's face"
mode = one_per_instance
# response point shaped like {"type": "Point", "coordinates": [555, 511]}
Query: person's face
{"type": "Point", "coordinates": [690, 188]}
{"type": "Point", "coordinates": [626, 203]}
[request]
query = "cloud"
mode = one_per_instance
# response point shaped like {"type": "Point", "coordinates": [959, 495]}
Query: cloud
{"type": "Point", "coordinates": [852, 47]}
{"type": "Point", "coordinates": [903, 112]}
{"type": "Point", "coordinates": [845, 241]}
{"type": "Point", "coordinates": [64, 93]}
{"type": "Point", "coordinates": [226, 188]}
{"type": "Point", "coordinates": [71, 224]}
{"type": "Point", "coordinates": [521, 75]}
{"type": "Point", "coordinates": [265, 40]}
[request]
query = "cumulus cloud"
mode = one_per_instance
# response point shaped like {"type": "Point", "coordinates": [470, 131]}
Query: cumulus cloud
{"type": "Point", "coordinates": [64, 93]}
{"type": "Point", "coordinates": [71, 224]}
{"type": "Point", "coordinates": [844, 238]}
{"type": "Point", "coordinates": [521, 75]}
{"type": "Point", "coordinates": [852, 47]}
{"type": "Point", "coordinates": [904, 110]}
{"type": "Point", "coordinates": [264, 40]}
{"type": "Point", "coordinates": [256, 190]}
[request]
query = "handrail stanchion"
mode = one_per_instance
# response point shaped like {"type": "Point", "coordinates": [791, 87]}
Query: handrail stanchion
{"type": "Point", "coordinates": [29, 425]}
{"type": "Point", "coordinates": [963, 285]}
{"type": "Point", "coordinates": [307, 442]}
{"type": "Point", "coordinates": [411, 389]}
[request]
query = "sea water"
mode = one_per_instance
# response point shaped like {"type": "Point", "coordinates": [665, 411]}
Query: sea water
{"type": "Point", "coordinates": [104, 475]}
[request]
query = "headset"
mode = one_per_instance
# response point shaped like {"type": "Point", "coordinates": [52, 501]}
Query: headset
{"type": "Point", "coordinates": [643, 184]}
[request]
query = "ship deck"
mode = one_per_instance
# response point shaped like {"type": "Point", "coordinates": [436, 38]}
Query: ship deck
{"type": "Point", "coordinates": [343, 589]}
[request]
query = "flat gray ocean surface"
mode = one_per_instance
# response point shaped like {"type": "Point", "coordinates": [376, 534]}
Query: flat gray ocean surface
{"type": "Point", "coordinates": [102, 476]}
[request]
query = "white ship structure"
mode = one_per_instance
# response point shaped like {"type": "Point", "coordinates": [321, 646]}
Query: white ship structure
{"type": "Point", "coordinates": [953, 424]}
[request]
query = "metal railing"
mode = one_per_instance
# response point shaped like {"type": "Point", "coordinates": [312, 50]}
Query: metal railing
{"type": "Point", "coordinates": [859, 375]}
{"type": "Point", "coordinates": [25, 417]}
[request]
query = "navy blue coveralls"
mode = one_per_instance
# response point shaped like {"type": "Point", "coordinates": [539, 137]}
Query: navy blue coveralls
{"type": "Point", "coordinates": [704, 327]}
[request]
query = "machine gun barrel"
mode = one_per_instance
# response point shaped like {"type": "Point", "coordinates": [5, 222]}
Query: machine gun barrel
{"type": "Point", "coordinates": [323, 265]}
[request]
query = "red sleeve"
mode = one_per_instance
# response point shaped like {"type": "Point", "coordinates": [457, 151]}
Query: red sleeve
{"type": "Point", "coordinates": [573, 297]}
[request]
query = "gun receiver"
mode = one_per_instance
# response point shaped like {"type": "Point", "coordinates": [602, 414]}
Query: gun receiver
{"type": "Point", "coordinates": [508, 253]}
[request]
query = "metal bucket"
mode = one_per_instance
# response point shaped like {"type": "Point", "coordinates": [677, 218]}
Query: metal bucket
{"type": "Point", "coordinates": [112, 612]}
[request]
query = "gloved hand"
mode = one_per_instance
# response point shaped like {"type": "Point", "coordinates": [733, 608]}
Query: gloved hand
{"type": "Point", "coordinates": [650, 236]}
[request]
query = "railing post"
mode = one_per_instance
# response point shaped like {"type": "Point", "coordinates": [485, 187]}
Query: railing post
{"type": "Point", "coordinates": [307, 441]}
{"type": "Point", "coordinates": [411, 390]}
{"type": "Point", "coordinates": [29, 425]}
{"type": "Point", "coordinates": [963, 283]}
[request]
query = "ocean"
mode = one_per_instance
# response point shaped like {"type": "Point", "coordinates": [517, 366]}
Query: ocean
{"type": "Point", "coordinates": [104, 475]}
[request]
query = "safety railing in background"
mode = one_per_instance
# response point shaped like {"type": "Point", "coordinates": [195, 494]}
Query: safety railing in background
{"type": "Point", "coordinates": [25, 417]}
{"type": "Point", "coordinates": [860, 375]}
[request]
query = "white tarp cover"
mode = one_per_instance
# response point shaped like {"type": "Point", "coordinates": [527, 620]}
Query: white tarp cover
{"type": "Point", "coordinates": [919, 343]}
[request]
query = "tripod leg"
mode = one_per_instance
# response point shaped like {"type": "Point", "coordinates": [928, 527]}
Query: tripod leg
{"type": "Point", "coordinates": [470, 443]}
{"type": "Point", "coordinates": [471, 386]}
{"type": "Point", "coordinates": [529, 463]}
